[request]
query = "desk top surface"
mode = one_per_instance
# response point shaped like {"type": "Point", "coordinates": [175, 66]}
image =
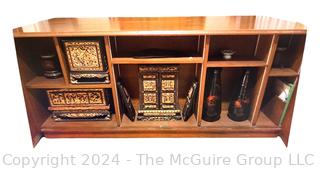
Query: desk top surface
{"type": "Point", "coordinates": [126, 26]}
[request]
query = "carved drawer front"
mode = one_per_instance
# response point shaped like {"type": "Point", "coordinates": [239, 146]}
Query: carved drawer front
{"type": "Point", "coordinates": [78, 104]}
{"type": "Point", "coordinates": [77, 97]}
{"type": "Point", "coordinates": [87, 61]}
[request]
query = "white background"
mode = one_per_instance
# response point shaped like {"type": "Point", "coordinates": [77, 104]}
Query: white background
{"type": "Point", "coordinates": [14, 130]}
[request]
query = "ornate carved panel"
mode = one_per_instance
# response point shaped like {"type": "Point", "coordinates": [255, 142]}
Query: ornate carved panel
{"type": "Point", "coordinates": [158, 92]}
{"type": "Point", "coordinates": [167, 85]}
{"type": "Point", "coordinates": [167, 98]}
{"type": "Point", "coordinates": [149, 85]}
{"type": "Point", "coordinates": [84, 55]}
{"type": "Point", "coordinates": [77, 104]}
{"type": "Point", "coordinates": [150, 98]}
{"type": "Point", "coordinates": [63, 115]}
{"type": "Point", "coordinates": [87, 61]}
{"type": "Point", "coordinates": [75, 97]}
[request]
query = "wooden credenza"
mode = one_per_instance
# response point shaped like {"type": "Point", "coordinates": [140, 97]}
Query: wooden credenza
{"type": "Point", "coordinates": [254, 38]}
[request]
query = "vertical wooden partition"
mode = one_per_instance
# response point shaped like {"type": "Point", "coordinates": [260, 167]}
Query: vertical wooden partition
{"type": "Point", "coordinates": [203, 78]}
{"type": "Point", "coordinates": [263, 80]}
{"type": "Point", "coordinates": [113, 80]}
{"type": "Point", "coordinates": [62, 60]}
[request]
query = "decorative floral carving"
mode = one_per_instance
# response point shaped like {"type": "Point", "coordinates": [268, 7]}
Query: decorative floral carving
{"type": "Point", "coordinates": [84, 55]}
{"type": "Point", "coordinates": [167, 84]}
{"type": "Point", "coordinates": [81, 114]}
{"type": "Point", "coordinates": [167, 98]}
{"type": "Point", "coordinates": [150, 98]}
{"type": "Point", "coordinates": [149, 85]}
{"type": "Point", "coordinates": [74, 97]}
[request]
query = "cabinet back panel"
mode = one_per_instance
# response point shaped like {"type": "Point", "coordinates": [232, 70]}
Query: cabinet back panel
{"type": "Point", "coordinates": [243, 45]}
{"type": "Point", "coordinates": [128, 46]}
{"type": "Point", "coordinates": [29, 51]}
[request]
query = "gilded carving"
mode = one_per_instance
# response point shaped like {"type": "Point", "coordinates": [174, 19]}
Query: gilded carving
{"type": "Point", "coordinates": [158, 92]}
{"type": "Point", "coordinates": [74, 97]}
{"type": "Point", "coordinates": [167, 98]}
{"type": "Point", "coordinates": [168, 76]}
{"type": "Point", "coordinates": [149, 85]}
{"type": "Point", "coordinates": [153, 106]}
{"type": "Point", "coordinates": [84, 55]}
{"type": "Point", "coordinates": [81, 114]}
{"type": "Point", "coordinates": [167, 106]}
{"type": "Point", "coordinates": [149, 76]}
{"type": "Point", "coordinates": [74, 78]}
{"type": "Point", "coordinates": [68, 104]}
{"type": "Point", "coordinates": [167, 85]}
{"type": "Point", "coordinates": [150, 98]}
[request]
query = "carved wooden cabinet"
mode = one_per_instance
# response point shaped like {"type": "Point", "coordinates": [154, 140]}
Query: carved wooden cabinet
{"type": "Point", "coordinates": [158, 87]}
{"type": "Point", "coordinates": [270, 47]}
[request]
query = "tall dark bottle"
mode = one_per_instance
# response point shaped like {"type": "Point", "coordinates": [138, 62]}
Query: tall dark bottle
{"type": "Point", "coordinates": [239, 106]}
{"type": "Point", "coordinates": [212, 104]}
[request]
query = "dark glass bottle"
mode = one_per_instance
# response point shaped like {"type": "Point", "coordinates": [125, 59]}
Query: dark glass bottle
{"type": "Point", "coordinates": [212, 104]}
{"type": "Point", "coordinates": [239, 106]}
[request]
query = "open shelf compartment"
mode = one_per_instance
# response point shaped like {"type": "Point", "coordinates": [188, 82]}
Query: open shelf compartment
{"type": "Point", "coordinates": [29, 52]}
{"type": "Point", "coordinates": [224, 121]}
{"type": "Point", "coordinates": [64, 128]}
{"type": "Point", "coordinates": [40, 82]}
{"type": "Point", "coordinates": [231, 78]}
{"type": "Point", "coordinates": [276, 96]}
{"type": "Point", "coordinates": [156, 49]}
{"type": "Point", "coordinates": [246, 48]}
{"type": "Point", "coordinates": [130, 77]}
{"type": "Point", "coordinates": [288, 55]}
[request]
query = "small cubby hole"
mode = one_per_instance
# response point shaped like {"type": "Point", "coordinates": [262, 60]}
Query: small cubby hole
{"type": "Point", "coordinates": [245, 47]}
{"type": "Point", "coordinates": [272, 105]}
{"type": "Point", "coordinates": [231, 79]}
{"type": "Point", "coordinates": [129, 75]}
{"type": "Point", "coordinates": [289, 52]}
{"type": "Point", "coordinates": [157, 46]}
{"type": "Point", "coordinates": [29, 52]}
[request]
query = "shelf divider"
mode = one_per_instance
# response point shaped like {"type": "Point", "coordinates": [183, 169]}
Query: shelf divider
{"type": "Point", "coordinates": [282, 72]}
{"type": "Point", "coordinates": [169, 60]}
{"type": "Point", "coordinates": [202, 80]}
{"type": "Point", "coordinates": [236, 63]}
{"type": "Point", "coordinates": [112, 80]}
{"type": "Point", "coordinates": [262, 81]}
{"type": "Point", "coordinates": [40, 82]}
{"type": "Point", "coordinates": [62, 61]}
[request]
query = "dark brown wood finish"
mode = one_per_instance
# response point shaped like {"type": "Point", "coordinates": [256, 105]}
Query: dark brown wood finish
{"type": "Point", "coordinates": [212, 25]}
{"type": "Point", "coordinates": [263, 79]}
{"type": "Point", "coordinates": [37, 112]}
{"type": "Point", "coordinates": [201, 39]}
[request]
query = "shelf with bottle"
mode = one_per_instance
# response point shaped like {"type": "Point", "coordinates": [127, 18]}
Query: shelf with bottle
{"type": "Point", "coordinates": [234, 88]}
{"type": "Point", "coordinates": [288, 55]}
{"type": "Point", "coordinates": [225, 122]}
